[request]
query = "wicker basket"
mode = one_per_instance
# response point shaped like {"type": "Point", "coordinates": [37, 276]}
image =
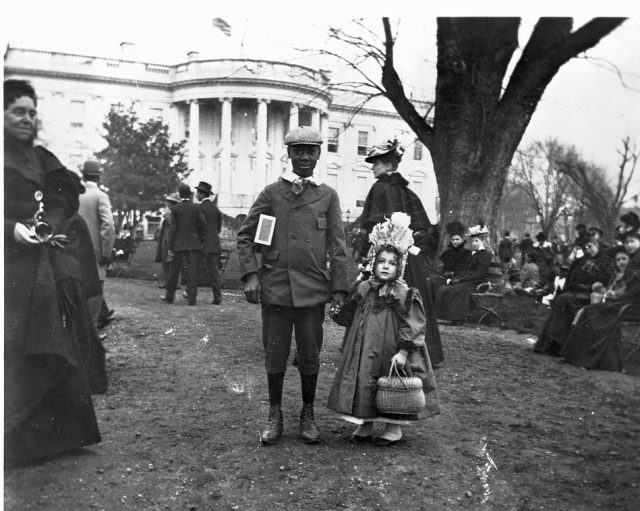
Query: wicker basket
{"type": "Point", "coordinates": [399, 395]}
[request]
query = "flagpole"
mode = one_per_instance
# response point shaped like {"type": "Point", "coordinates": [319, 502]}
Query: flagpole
{"type": "Point", "coordinates": [244, 33]}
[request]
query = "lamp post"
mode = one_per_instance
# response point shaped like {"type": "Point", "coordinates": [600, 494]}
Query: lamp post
{"type": "Point", "coordinates": [347, 215]}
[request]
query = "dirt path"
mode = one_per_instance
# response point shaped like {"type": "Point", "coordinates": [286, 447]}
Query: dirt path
{"type": "Point", "coordinates": [187, 398]}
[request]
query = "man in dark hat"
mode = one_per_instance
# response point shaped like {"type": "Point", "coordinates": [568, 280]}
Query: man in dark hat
{"type": "Point", "coordinates": [95, 208]}
{"type": "Point", "coordinates": [186, 237]}
{"type": "Point", "coordinates": [211, 250]}
{"type": "Point", "coordinates": [304, 266]}
{"type": "Point", "coordinates": [162, 249]}
{"type": "Point", "coordinates": [505, 249]}
{"type": "Point", "coordinates": [526, 246]}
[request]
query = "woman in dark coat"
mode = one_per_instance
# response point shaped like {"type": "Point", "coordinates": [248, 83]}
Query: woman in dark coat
{"type": "Point", "coordinates": [583, 274]}
{"type": "Point", "coordinates": [594, 340]}
{"type": "Point", "coordinates": [453, 301]}
{"type": "Point", "coordinates": [391, 193]}
{"type": "Point", "coordinates": [454, 261]}
{"type": "Point", "coordinates": [48, 331]}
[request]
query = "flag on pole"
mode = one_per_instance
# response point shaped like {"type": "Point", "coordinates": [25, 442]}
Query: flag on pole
{"type": "Point", "coordinates": [223, 26]}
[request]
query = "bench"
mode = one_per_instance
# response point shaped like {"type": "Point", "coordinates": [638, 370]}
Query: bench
{"type": "Point", "coordinates": [488, 296]}
{"type": "Point", "coordinates": [224, 259]}
{"type": "Point", "coordinates": [122, 254]}
{"type": "Point", "coordinates": [629, 320]}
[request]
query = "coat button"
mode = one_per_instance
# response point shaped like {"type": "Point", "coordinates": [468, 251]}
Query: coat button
{"type": "Point", "coordinates": [293, 237]}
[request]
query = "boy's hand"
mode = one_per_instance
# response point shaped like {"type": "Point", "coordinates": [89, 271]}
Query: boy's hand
{"type": "Point", "coordinates": [252, 288]}
{"type": "Point", "coordinates": [338, 301]}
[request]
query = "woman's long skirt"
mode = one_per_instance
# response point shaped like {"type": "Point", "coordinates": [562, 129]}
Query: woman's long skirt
{"type": "Point", "coordinates": [415, 276]}
{"type": "Point", "coordinates": [453, 302]}
{"type": "Point", "coordinates": [594, 341]}
{"type": "Point", "coordinates": [556, 329]}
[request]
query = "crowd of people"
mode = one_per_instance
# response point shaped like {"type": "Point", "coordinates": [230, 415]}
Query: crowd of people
{"type": "Point", "coordinates": [292, 255]}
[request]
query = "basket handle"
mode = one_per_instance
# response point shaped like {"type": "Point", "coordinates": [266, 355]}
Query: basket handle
{"type": "Point", "coordinates": [394, 368]}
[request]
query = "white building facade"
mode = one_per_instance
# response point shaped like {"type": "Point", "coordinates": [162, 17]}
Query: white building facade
{"type": "Point", "coordinates": [233, 113]}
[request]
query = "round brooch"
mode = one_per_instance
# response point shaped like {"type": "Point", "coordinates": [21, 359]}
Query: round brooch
{"type": "Point", "coordinates": [38, 195]}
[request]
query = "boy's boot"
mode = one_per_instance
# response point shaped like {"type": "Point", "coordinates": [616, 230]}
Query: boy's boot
{"type": "Point", "coordinates": [272, 433]}
{"type": "Point", "coordinates": [308, 431]}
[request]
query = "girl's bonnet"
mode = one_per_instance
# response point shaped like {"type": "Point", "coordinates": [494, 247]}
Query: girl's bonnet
{"type": "Point", "coordinates": [393, 231]}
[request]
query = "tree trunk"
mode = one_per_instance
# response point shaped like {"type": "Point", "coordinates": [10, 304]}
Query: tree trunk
{"type": "Point", "coordinates": [479, 122]}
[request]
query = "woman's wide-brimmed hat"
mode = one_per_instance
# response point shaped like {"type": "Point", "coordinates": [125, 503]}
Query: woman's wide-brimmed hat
{"type": "Point", "coordinates": [477, 230]}
{"type": "Point", "coordinates": [388, 147]}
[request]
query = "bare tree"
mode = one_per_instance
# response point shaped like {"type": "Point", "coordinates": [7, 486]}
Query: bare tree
{"type": "Point", "coordinates": [480, 113]}
{"type": "Point", "coordinates": [547, 190]}
{"type": "Point", "coordinates": [600, 199]}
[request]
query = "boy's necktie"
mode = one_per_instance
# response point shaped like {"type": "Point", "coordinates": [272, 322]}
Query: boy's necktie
{"type": "Point", "coordinates": [299, 185]}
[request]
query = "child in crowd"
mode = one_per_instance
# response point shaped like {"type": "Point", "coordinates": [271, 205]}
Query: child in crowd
{"type": "Point", "coordinates": [530, 272]}
{"type": "Point", "coordinates": [388, 325]}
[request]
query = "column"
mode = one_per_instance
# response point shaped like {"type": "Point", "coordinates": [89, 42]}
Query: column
{"type": "Point", "coordinates": [194, 136]}
{"type": "Point", "coordinates": [99, 111]}
{"type": "Point", "coordinates": [260, 180]}
{"type": "Point", "coordinates": [323, 121]}
{"type": "Point", "coordinates": [315, 118]}
{"type": "Point", "coordinates": [57, 123]}
{"type": "Point", "coordinates": [225, 153]}
{"type": "Point", "coordinates": [174, 123]}
{"type": "Point", "coordinates": [293, 117]}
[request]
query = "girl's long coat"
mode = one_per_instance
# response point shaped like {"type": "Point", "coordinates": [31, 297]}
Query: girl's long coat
{"type": "Point", "coordinates": [381, 326]}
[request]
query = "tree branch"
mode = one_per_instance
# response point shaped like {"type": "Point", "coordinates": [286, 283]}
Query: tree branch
{"type": "Point", "coordinates": [394, 90]}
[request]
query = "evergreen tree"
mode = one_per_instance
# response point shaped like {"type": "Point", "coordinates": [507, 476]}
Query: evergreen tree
{"type": "Point", "coordinates": [141, 165]}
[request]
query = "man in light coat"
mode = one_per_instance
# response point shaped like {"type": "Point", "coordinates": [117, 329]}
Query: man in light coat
{"type": "Point", "coordinates": [95, 208]}
{"type": "Point", "coordinates": [303, 268]}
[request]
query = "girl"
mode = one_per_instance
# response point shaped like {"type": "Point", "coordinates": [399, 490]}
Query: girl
{"type": "Point", "coordinates": [388, 326]}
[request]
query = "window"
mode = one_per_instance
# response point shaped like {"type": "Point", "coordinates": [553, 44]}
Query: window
{"type": "Point", "coordinates": [332, 181]}
{"type": "Point", "coordinates": [77, 114]}
{"type": "Point", "coordinates": [361, 187]}
{"type": "Point", "coordinates": [363, 143]}
{"type": "Point", "coordinates": [156, 114]}
{"type": "Point", "coordinates": [75, 161]}
{"type": "Point", "coordinates": [332, 143]}
{"type": "Point", "coordinates": [417, 151]}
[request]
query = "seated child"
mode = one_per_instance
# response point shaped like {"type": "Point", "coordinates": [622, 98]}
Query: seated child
{"type": "Point", "coordinates": [388, 325]}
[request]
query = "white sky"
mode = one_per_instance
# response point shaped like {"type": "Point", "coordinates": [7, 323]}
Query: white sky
{"type": "Point", "coordinates": [586, 104]}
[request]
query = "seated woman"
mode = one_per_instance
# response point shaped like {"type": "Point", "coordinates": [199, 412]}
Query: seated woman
{"type": "Point", "coordinates": [453, 301]}
{"type": "Point", "coordinates": [454, 261]}
{"type": "Point", "coordinates": [583, 273]}
{"type": "Point", "coordinates": [529, 273]}
{"type": "Point", "coordinates": [594, 340]}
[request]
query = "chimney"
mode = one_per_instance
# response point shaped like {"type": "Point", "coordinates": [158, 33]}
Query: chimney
{"type": "Point", "coordinates": [193, 55]}
{"type": "Point", "coordinates": [126, 50]}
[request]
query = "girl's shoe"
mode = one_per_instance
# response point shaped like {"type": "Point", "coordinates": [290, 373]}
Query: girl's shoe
{"type": "Point", "coordinates": [392, 435]}
{"type": "Point", "coordinates": [362, 433]}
